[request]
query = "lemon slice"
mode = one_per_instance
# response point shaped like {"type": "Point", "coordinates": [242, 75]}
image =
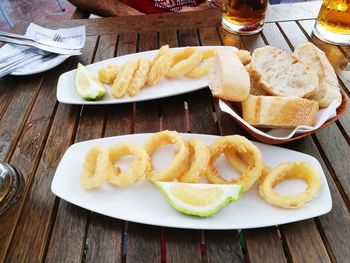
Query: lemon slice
{"type": "Point", "coordinates": [87, 86]}
{"type": "Point", "coordinates": [199, 199]}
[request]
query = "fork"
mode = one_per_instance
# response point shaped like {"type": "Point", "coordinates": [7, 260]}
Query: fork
{"type": "Point", "coordinates": [20, 56]}
{"type": "Point", "coordinates": [25, 57]}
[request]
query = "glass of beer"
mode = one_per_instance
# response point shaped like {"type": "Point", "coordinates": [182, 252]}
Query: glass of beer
{"type": "Point", "coordinates": [11, 185]}
{"type": "Point", "coordinates": [333, 22]}
{"type": "Point", "coordinates": [244, 17]}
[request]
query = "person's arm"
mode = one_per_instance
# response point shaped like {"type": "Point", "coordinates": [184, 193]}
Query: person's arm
{"type": "Point", "coordinates": [105, 7]}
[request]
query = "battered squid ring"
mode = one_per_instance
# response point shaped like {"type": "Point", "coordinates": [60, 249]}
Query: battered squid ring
{"type": "Point", "coordinates": [160, 65]}
{"type": "Point", "coordinates": [301, 170]}
{"type": "Point", "coordinates": [186, 65]}
{"type": "Point", "coordinates": [201, 70]}
{"type": "Point", "coordinates": [241, 162]}
{"type": "Point", "coordinates": [176, 168]}
{"type": "Point", "coordinates": [139, 166]}
{"type": "Point", "coordinates": [199, 165]}
{"type": "Point", "coordinates": [94, 171]}
{"type": "Point", "coordinates": [239, 144]}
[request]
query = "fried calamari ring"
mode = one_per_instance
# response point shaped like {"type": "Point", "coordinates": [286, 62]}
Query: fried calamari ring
{"type": "Point", "coordinates": [185, 66]}
{"type": "Point", "coordinates": [242, 161]}
{"type": "Point", "coordinates": [178, 165]}
{"type": "Point", "coordinates": [200, 154]}
{"type": "Point", "coordinates": [140, 77]}
{"type": "Point", "coordinates": [95, 168]}
{"type": "Point", "coordinates": [201, 70]}
{"type": "Point", "coordinates": [182, 55]}
{"type": "Point", "coordinates": [160, 65]}
{"type": "Point", "coordinates": [139, 166]}
{"type": "Point", "coordinates": [239, 144]}
{"type": "Point", "coordinates": [208, 53]}
{"type": "Point", "coordinates": [109, 73]}
{"type": "Point", "coordinates": [301, 170]}
{"type": "Point", "coordinates": [121, 84]}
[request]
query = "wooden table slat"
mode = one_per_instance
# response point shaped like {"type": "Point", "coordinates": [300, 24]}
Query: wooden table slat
{"type": "Point", "coordinates": [297, 250]}
{"type": "Point", "coordinates": [264, 245]}
{"type": "Point", "coordinates": [90, 126]}
{"type": "Point", "coordinates": [336, 224]}
{"type": "Point", "coordinates": [139, 244]}
{"type": "Point", "coordinates": [223, 246]}
{"type": "Point", "coordinates": [104, 238]}
{"type": "Point", "coordinates": [16, 112]}
{"type": "Point", "coordinates": [27, 152]}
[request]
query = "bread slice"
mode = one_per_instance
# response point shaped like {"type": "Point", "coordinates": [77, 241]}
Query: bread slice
{"type": "Point", "coordinates": [328, 90]}
{"type": "Point", "coordinates": [282, 74]}
{"type": "Point", "coordinates": [228, 78]}
{"type": "Point", "coordinates": [254, 87]}
{"type": "Point", "coordinates": [279, 112]}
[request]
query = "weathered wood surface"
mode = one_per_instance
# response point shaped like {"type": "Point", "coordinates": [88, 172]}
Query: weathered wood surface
{"type": "Point", "coordinates": [35, 131]}
{"type": "Point", "coordinates": [176, 21]}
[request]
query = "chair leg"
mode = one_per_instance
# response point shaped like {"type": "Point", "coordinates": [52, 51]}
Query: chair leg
{"type": "Point", "coordinates": [61, 4]}
{"type": "Point", "coordinates": [7, 18]}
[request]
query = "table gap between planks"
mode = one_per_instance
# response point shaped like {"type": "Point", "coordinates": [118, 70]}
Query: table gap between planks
{"type": "Point", "coordinates": [36, 130]}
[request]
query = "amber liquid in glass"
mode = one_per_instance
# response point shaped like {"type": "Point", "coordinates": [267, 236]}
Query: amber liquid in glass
{"type": "Point", "coordinates": [249, 13]}
{"type": "Point", "coordinates": [335, 16]}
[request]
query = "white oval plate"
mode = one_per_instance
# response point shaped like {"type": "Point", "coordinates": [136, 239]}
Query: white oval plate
{"type": "Point", "coordinates": [35, 67]}
{"type": "Point", "coordinates": [66, 92]}
{"type": "Point", "coordinates": [144, 203]}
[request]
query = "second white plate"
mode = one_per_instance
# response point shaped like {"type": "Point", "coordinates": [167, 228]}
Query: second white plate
{"type": "Point", "coordinates": [66, 92]}
{"type": "Point", "coordinates": [144, 203]}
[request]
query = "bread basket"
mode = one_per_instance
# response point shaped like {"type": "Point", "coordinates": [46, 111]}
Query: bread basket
{"type": "Point", "coordinates": [339, 112]}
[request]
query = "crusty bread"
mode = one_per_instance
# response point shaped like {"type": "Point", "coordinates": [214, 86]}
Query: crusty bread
{"type": "Point", "coordinates": [279, 112]}
{"type": "Point", "coordinates": [254, 86]}
{"type": "Point", "coordinates": [228, 79]}
{"type": "Point", "coordinates": [328, 89]}
{"type": "Point", "coordinates": [282, 74]}
{"type": "Point", "coordinates": [244, 56]}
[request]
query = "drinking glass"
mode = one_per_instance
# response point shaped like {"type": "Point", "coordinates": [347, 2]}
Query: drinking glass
{"type": "Point", "coordinates": [243, 17]}
{"type": "Point", "coordinates": [11, 185]}
{"type": "Point", "coordinates": [333, 22]}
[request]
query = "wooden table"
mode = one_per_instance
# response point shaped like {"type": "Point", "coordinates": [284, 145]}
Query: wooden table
{"type": "Point", "coordinates": [35, 131]}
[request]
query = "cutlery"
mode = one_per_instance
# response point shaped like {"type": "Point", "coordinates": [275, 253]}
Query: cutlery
{"type": "Point", "coordinates": [24, 62]}
{"type": "Point", "coordinates": [40, 46]}
{"type": "Point", "coordinates": [22, 55]}
{"type": "Point", "coordinates": [25, 57]}
{"type": "Point", "coordinates": [47, 42]}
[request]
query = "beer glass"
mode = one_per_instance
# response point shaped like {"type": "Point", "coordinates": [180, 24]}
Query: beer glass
{"type": "Point", "coordinates": [243, 17]}
{"type": "Point", "coordinates": [11, 185]}
{"type": "Point", "coordinates": [333, 22]}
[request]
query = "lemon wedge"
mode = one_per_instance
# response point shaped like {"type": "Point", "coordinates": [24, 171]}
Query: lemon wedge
{"type": "Point", "coordinates": [199, 199]}
{"type": "Point", "coordinates": [87, 86]}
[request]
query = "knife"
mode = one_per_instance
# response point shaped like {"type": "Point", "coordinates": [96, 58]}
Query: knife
{"type": "Point", "coordinates": [47, 42]}
{"type": "Point", "coordinates": [40, 46]}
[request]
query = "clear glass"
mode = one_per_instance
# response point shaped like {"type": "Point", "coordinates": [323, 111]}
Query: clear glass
{"type": "Point", "coordinates": [11, 185]}
{"type": "Point", "coordinates": [243, 17]}
{"type": "Point", "coordinates": [333, 22]}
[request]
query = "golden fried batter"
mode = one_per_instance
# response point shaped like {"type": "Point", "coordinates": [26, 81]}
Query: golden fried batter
{"type": "Point", "coordinates": [139, 166]}
{"type": "Point", "coordinates": [185, 66]}
{"type": "Point", "coordinates": [121, 84]}
{"type": "Point", "coordinates": [160, 65]}
{"type": "Point", "coordinates": [109, 73]}
{"type": "Point", "coordinates": [140, 77]}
